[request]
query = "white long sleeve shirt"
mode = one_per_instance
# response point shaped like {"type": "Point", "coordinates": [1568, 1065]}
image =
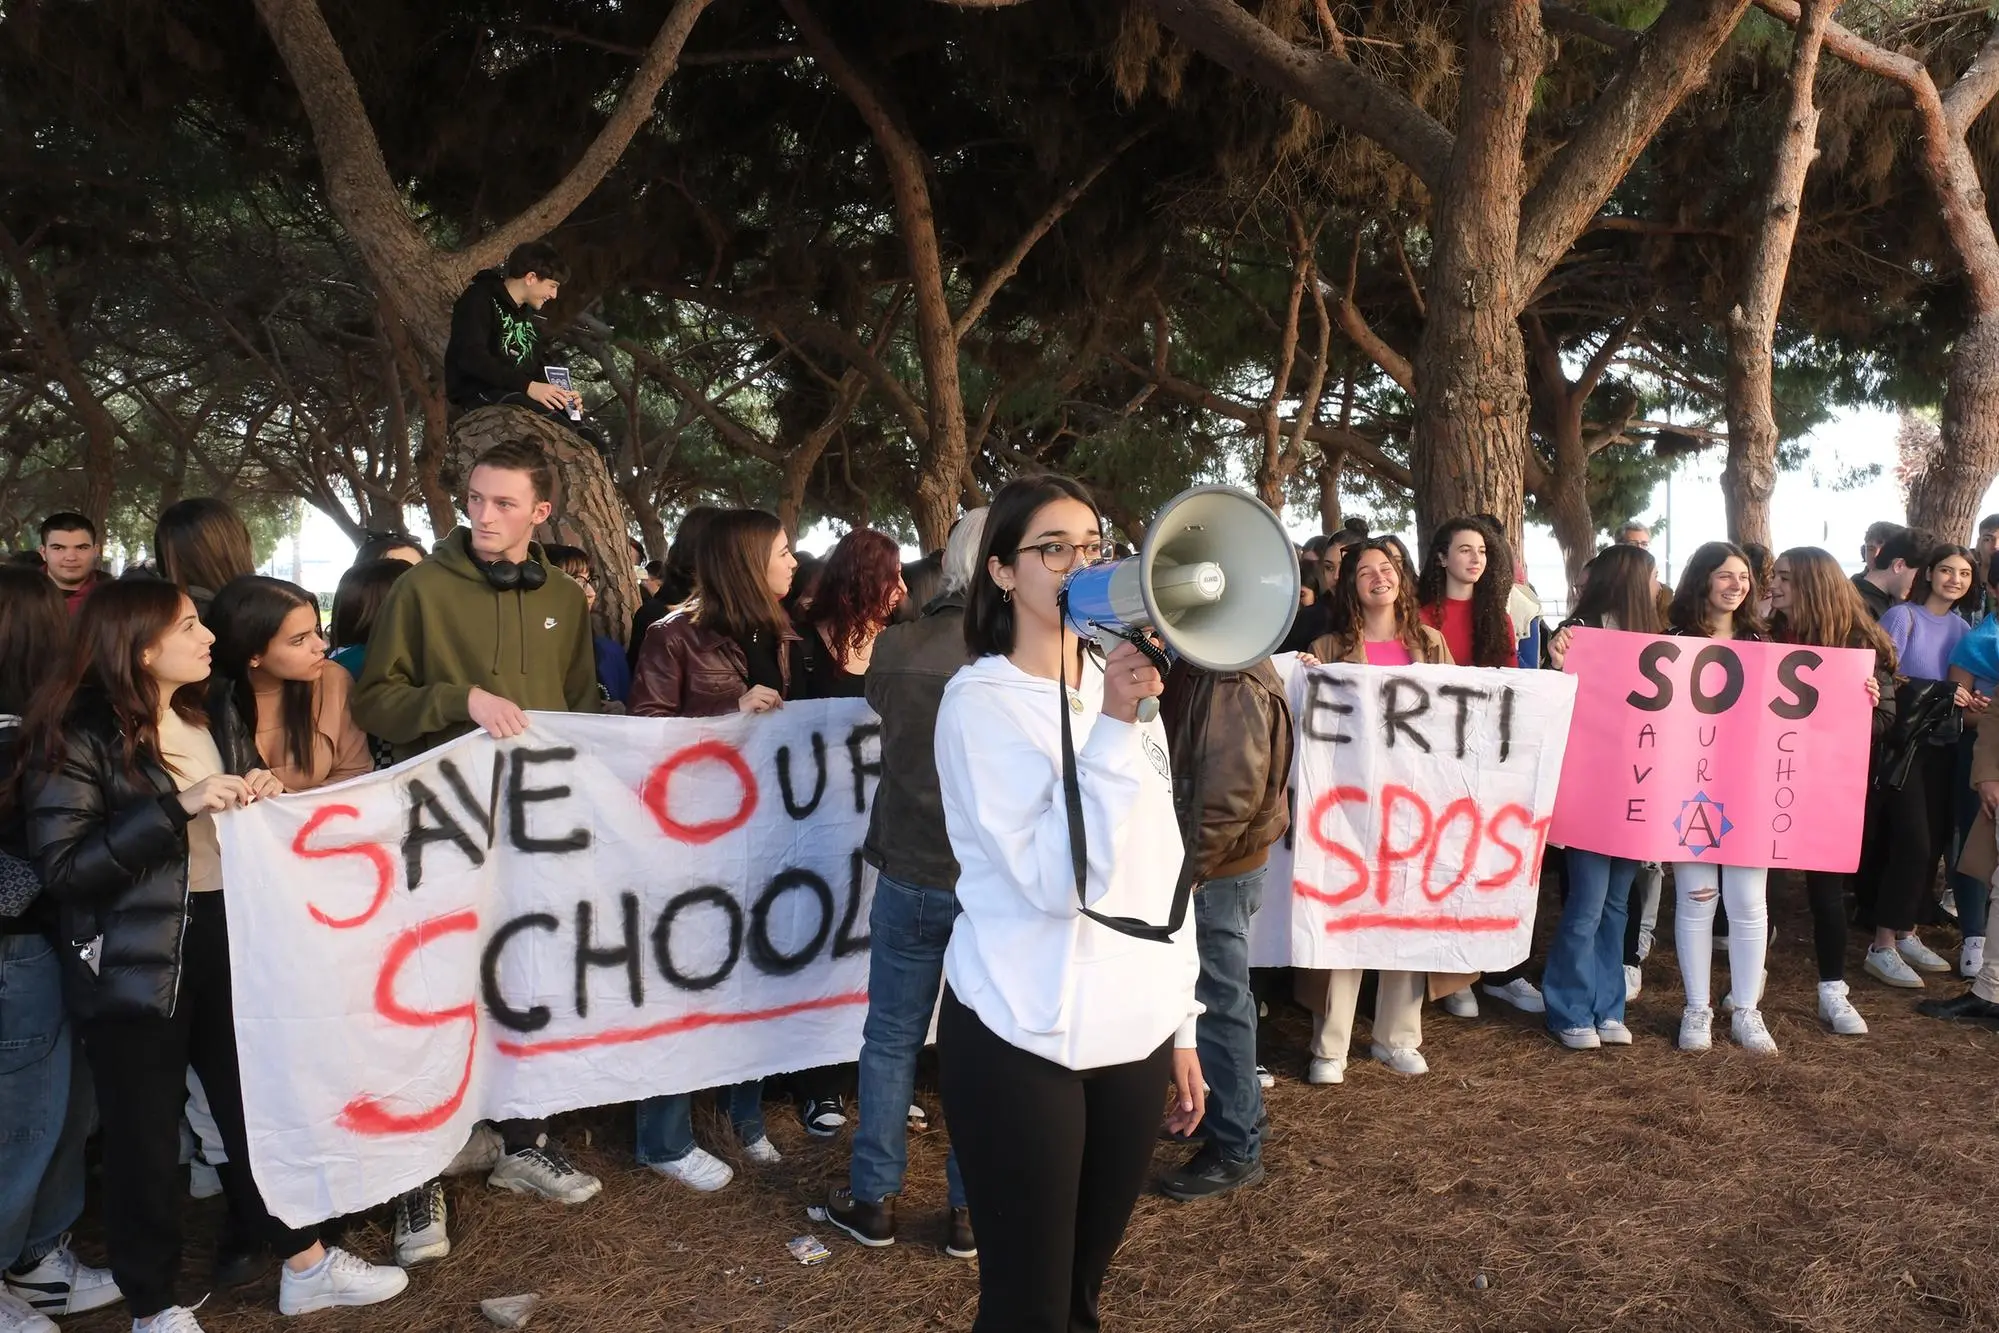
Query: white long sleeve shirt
{"type": "Point", "coordinates": [1037, 972]}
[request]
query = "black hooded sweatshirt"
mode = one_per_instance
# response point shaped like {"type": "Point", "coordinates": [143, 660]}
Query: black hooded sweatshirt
{"type": "Point", "coordinates": [495, 346]}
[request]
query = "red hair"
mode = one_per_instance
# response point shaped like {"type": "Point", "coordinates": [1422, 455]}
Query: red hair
{"type": "Point", "coordinates": [857, 591]}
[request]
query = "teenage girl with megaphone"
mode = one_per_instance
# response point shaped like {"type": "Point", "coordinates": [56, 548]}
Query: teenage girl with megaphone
{"type": "Point", "coordinates": [1060, 1018]}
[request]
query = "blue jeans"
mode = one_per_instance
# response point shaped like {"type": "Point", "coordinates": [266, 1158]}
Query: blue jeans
{"type": "Point", "coordinates": [1226, 1031]}
{"type": "Point", "coordinates": [1583, 982]}
{"type": "Point", "coordinates": [46, 1110]}
{"type": "Point", "coordinates": [666, 1124]}
{"type": "Point", "coordinates": [1974, 895]}
{"type": "Point", "coordinates": [908, 927]}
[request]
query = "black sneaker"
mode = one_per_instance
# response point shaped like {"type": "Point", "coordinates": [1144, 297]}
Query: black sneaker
{"type": "Point", "coordinates": [823, 1117]}
{"type": "Point", "coordinates": [239, 1267]}
{"type": "Point", "coordinates": [1208, 1174]}
{"type": "Point", "coordinates": [959, 1242]}
{"type": "Point", "coordinates": [872, 1224]}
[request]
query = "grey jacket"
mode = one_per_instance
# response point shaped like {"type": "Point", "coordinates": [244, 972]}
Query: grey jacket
{"type": "Point", "coordinates": [905, 683]}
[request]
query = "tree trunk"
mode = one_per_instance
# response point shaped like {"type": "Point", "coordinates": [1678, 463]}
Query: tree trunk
{"type": "Point", "coordinates": [1750, 476]}
{"type": "Point", "coordinates": [1469, 453]}
{"type": "Point", "coordinates": [1944, 500]}
{"type": "Point", "coordinates": [1331, 465]}
{"type": "Point", "coordinates": [588, 509]}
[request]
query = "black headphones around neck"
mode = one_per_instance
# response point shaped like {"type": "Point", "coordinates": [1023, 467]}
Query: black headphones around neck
{"type": "Point", "coordinates": [506, 575]}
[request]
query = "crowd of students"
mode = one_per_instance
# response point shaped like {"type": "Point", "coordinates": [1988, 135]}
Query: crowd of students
{"type": "Point", "coordinates": [133, 710]}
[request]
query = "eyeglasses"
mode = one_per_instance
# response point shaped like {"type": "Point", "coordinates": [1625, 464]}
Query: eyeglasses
{"type": "Point", "coordinates": [1061, 557]}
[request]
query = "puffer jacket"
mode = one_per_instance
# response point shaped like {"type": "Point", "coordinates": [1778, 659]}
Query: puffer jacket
{"type": "Point", "coordinates": [687, 670]}
{"type": "Point", "coordinates": [111, 847]}
{"type": "Point", "coordinates": [1229, 735]}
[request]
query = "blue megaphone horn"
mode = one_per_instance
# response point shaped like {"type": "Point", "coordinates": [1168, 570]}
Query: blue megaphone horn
{"type": "Point", "coordinates": [1216, 580]}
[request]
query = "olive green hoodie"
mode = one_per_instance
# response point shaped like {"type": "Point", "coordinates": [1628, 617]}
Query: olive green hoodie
{"type": "Point", "coordinates": [444, 630]}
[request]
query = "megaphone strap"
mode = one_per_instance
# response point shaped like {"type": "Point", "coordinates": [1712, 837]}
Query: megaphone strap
{"type": "Point", "coordinates": [1079, 852]}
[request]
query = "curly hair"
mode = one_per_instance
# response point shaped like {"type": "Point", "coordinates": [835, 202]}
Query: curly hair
{"type": "Point", "coordinates": [1492, 642]}
{"type": "Point", "coordinates": [858, 591]}
{"type": "Point", "coordinates": [1348, 620]}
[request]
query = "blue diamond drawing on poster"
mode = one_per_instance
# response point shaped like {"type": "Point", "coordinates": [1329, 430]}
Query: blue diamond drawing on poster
{"type": "Point", "coordinates": [1702, 824]}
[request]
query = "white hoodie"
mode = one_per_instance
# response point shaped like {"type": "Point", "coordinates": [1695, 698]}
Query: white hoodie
{"type": "Point", "coordinates": [1038, 973]}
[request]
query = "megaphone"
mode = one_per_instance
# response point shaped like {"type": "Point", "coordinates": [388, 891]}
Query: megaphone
{"type": "Point", "coordinates": [1216, 580]}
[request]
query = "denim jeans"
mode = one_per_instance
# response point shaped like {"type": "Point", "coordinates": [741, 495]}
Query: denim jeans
{"type": "Point", "coordinates": [1583, 982]}
{"type": "Point", "coordinates": [908, 927]}
{"type": "Point", "coordinates": [666, 1124]}
{"type": "Point", "coordinates": [1226, 1030]}
{"type": "Point", "coordinates": [46, 1110]}
{"type": "Point", "coordinates": [1973, 894]}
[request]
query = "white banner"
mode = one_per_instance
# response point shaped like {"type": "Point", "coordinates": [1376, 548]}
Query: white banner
{"type": "Point", "coordinates": [600, 910]}
{"type": "Point", "coordinates": [1421, 802]}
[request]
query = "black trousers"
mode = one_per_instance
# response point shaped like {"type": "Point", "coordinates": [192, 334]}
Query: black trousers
{"type": "Point", "coordinates": [1053, 1160]}
{"type": "Point", "coordinates": [140, 1065]}
{"type": "Point", "coordinates": [1918, 824]}
{"type": "Point", "coordinates": [1825, 890]}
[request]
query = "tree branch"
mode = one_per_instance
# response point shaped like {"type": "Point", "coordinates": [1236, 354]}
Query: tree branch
{"type": "Point", "coordinates": [1667, 63]}
{"type": "Point", "coordinates": [1561, 18]}
{"type": "Point", "coordinates": [1337, 89]}
{"type": "Point", "coordinates": [1003, 272]}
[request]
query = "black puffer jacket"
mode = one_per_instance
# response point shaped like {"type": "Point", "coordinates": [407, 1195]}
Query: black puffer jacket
{"type": "Point", "coordinates": [111, 846]}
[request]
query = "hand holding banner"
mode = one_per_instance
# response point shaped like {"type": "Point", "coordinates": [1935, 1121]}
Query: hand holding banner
{"type": "Point", "coordinates": [1735, 753]}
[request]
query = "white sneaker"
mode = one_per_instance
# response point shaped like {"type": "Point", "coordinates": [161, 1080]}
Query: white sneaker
{"type": "Point", "coordinates": [63, 1284]}
{"type": "Point", "coordinates": [1696, 1029]}
{"type": "Point", "coordinates": [17, 1316]}
{"type": "Point", "coordinates": [1520, 993]}
{"type": "Point", "coordinates": [173, 1319]}
{"type": "Point", "coordinates": [545, 1171]}
{"type": "Point", "coordinates": [1461, 1004]}
{"type": "Point", "coordinates": [1265, 1079]}
{"type": "Point", "coordinates": [422, 1225]}
{"type": "Point", "coordinates": [1919, 955]}
{"type": "Point", "coordinates": [763, 1152]}
{"type": "Point", "coordinates": [339, 1279]}
{"type": "Point", "coordinates": [1404, 1060]}
{"type": "Point", "coordinates": [1613, 1033]}
{"type": "Point", "coordinates": [1746, 1026]}
{"type": "Point", "coordinates": [1886, 965]}
{"type": "Point", "coordinates": [1837, 1010]}
{"type": "Point", "coordinates": [1323, 1072]}
{"type": "Point", "coordinates": [1579, 1039]}
{"type": "Point", "coordinates": [1634, 982]}
{"type": "Point", "coordinates": [1971, 958]}
{"type": "Point", "coordinates": [1947, 898]}
{"type": "Point", "coordinates": [698, 1170]}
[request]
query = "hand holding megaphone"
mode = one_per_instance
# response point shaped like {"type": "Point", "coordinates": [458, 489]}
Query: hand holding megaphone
{"type": "Point", "coordinates": [1130, 679]}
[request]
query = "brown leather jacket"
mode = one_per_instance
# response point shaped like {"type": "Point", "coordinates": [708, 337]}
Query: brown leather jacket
{"type": "Point", "coordinates": [685, 670]}
{"type": "Point", "coordinates": [1235, 728]}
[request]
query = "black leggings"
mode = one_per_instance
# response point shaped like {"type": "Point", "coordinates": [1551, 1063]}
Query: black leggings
{"type": "Point", "coordinates": [1917, 828]}
{"type": "Point", "coordinates": [1825, 890]}
{"type": "Point", "coordinates": [140, 1065]}
{"type": "Point", "coordinates": [1053, 1161]}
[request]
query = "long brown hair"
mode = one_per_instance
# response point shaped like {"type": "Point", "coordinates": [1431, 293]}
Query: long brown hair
{"type": "Point", "coordinates": [735, 597]}
{"type": "Point", "coordinates": [1491, 628]}
{"type": "Point", "coordinates": [1920, 590]}
{"type": "Point", "coordinates": [1617, 587]}
{"type": "Point", "coordinates": [1689, 612]}
{"type": "Point", "coordinates": [1825, 609]}
{"type": "Point", "coordinates": [202, 543]}
{"type": "Point", "coordinates": [34, 632]}
{"type": "Point", "coordinates": [1349, 617]}
{"type": "Point", "coordinates": [116, 626]}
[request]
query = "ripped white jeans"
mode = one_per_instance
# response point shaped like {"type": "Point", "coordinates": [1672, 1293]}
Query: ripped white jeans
{"type": "Point", "coordinates": [1696, 889]}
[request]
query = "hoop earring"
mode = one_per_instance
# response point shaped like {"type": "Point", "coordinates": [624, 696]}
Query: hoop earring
{"type": "Point", "coordinates": [1006, 594]}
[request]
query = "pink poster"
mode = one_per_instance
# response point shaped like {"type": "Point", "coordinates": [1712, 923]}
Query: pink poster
{"type": "Point", "coordinates": [1740, 754]}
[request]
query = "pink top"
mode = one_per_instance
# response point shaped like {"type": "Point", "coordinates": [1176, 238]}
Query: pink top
{"type": "Point", "coordinates": [1389, 652]}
